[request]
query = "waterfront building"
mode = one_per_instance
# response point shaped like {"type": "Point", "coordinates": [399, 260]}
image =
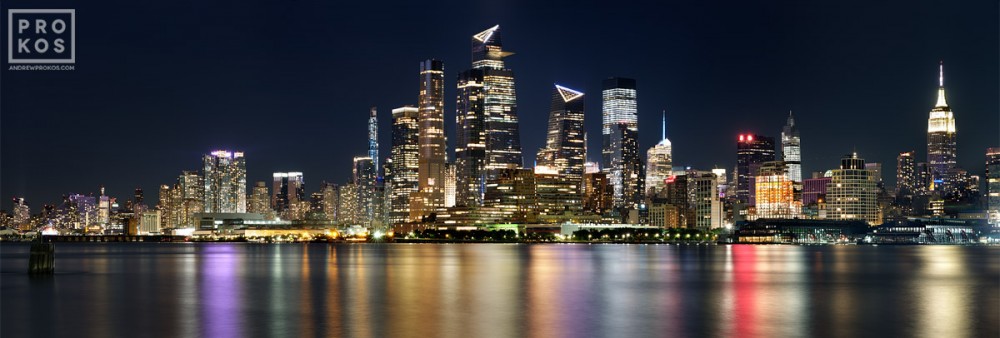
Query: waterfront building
{"type": "Point", "coordinates": [557, 193]}
{"type": "Point", "coordinates": [775, 192]}
{"type": "Point", "coordinates": [941, 145]}
{"type": "Point", "coordinates": [487, 120]}
{"type": "Point", "coordinates": [224, 176]}
{"type": "Point", "coordinates": [565, 147]}
{"type": "Point", "coordinates": [260, 201]}
{"type": "Point", "coordinates": [331, 200]}
{"type": "Point", "coordinates": [289, 189]}
{"type": "Point", "coordinates": [751, 151]}
{"type": "Point", "coordinates": [365, 180]}
{"type": "Point", "coordinates": [993, 184]}
{"type": "Point", "coordinates": [659, 162]}
{"type": "Point", "coordinates": [432, 146]}
{"type": "Point", "coordinates": [851, 193]}
{"type": "Point", "coordinates": [707, 205]}
{"type": "Point", "coordinates": [403, 183]}
{"type": "Point", "coordinates": [347, 208]}
{"type": "Point", "coordinates": [512, 193]}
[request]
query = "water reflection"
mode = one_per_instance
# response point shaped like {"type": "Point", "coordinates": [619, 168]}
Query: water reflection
{"type": "Point", "coordinates": [245, 290]}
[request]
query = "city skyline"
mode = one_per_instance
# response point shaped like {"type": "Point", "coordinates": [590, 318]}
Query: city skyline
{"type": "Point", "coordinates": [695, 131]}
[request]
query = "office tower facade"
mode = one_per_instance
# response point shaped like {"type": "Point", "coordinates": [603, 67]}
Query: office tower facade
{"type": "Point", "coordinates": [512, 194]}
{"type": "Point", "coordinates": [791, 150]}
{"type": "Point", "coordinates": [365, 180]}
{"type": "Point", "coordinates": [564, 150]}
{"type": "Point", "coordinates": [993, 184]}
{"type": "Point", "coordinates": [260, 201]}
{"type": "Point", "coordinates": [433, 148]}
{"type": "Point", "coordinates": [347, 208]}
{"type": "Point", "coordinates": [557, 193]}
{"type": "Point", "coordinates": [331, 200]}
{"type": "Point", "coordinates": [403, 184]}
{"type": "Point", "coordinates": [486, 117]}
{"type": "Point", "coordinates": [618, 106]}
{"type": "Point", "coordinates": [224, 175]}
{"type": "Point", "coordinates": [906, 175]}
{"type": "Point", "coordinates": [597, 192]}
{"type": "Point", "coordinates": [751, 151]}
{"type": "Point", "coordinates": [103, 208]}
{"type": "Point", "coordinates": [626, 173]}
{"type": "Point", "coordinates": [775, 195]}
{"type": "Point", "coordinates": [851, 193]}
{"type": "Point", "coordinates": [450, 185]}
{"type": "Point", "coordinates": [707, 205]}
{"type": "Point", "coordinates": [373, 137]}
{"type": "Point", "coordinates": [941, 154]}
{"type": "Point", "coordinates": [659, 163]}
{"type": "Point", "coordinates": [288, 189]}
{"type": "Point", "coordinates": [21, 212]}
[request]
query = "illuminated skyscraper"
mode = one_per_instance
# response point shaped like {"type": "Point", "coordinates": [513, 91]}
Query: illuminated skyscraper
{"type": "Point", "coordinates": [260, 201]}
{"type": "Point", "coordinates": [707, 205]}
{"type": "Point", "coordinates": [486, 117]}
{"type": "Point", "coordinates": [347, 207]}
{"type": "Point", "coordinates": [993, 183]}
{"type": "Point", "coordinates": [373, 137]}
{"type": "Point", "coordinates": [791, 152]}
{"type": "Point", "coordinates": [659, 162]}
{"type": "Point", "coordinates": [851, 193]}
{"type": "Point", "coordinates": [564, 150]}
{"type": "Point", "coordinates": [751, 151]}
{"type": "Point", "coordinates": [620, 130]}
{"type": "Point", "coordinates": [626, 172]}
{"type": "Point", "coordinates": [403, 183]}
{"type": "Point", "coordinates": [618, 106]}
{"type": "Point", "coordinates": [365, 179]}
{"type": "Point", "coordinates": [775, 194]}
{"type": "Point", "coordinates": [906, 174]}
{"type": "Point", "coordinates": [433, 149]}
{"type": "Point", "coordinates": [224, 175]}
{"type": "Point", "coordinates": [941, 141]}
{"type": "Point", "coordinates": [288, 189]}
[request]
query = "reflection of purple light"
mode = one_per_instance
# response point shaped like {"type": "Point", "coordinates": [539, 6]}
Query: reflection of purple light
{"type": "Point", "coordinates": [221, 310]}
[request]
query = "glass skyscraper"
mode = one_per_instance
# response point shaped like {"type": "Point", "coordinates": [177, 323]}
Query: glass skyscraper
{"type": "Point", "coordinates": [751, 151]}
{"type": "Point", "coordinates": [620, 130]}
{"type": "Point", "coordinates": [486, 117]}
{"type": "Point", "coordinates": [405, 163]}
{"type": "Point", "coordinates": [433, 149]}
{"type": "Point", "coordinates": [373, 137]}
{"type": "Point", "coordinates": [564, 150]}
{"type": "Point", "coordinates": [791, 152]}
{"type": "Point", "coordinates": [224, 174]}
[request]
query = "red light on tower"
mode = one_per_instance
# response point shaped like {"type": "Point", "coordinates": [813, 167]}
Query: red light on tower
{"type": "Point", "coordinates": [749, 138]}
{"type": "Point", "coordinates": [741, 137]}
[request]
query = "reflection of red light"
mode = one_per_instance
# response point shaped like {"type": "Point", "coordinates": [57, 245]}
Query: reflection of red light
{"type": "Point", "coordinates": [749, 138]}
{"type": "Point", "coordinates": [741, 137]}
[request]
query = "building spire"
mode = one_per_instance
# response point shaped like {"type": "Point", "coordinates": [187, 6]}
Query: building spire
{"type": "Point", "coordinates": [664, 133]}
{"type": "Point", "coordinates": [940, 99]}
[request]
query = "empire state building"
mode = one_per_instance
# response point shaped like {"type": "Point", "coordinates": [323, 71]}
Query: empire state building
{"type": "Point", "coordinates": [941, 142]}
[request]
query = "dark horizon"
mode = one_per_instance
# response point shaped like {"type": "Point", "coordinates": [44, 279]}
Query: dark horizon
{"type": "Point", "coordinates": [290, 84]}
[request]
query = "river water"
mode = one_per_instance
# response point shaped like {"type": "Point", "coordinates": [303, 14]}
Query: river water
{"type": "Point", "coordinates": [501, 290]}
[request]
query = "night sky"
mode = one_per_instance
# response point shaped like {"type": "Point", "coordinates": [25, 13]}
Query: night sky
{"type": "Point", "coordinates": [159, 84]}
